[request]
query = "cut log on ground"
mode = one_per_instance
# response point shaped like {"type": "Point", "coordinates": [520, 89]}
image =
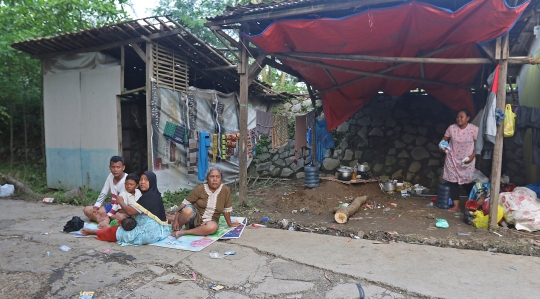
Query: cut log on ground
{"type": "Point", "coordinates": [20, 187]}
{"type": "Point", "coordinates": [343, 214]}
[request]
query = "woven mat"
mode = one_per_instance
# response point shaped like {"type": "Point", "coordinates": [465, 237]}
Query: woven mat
{"type": "Point", "coordinates": [357, 181]}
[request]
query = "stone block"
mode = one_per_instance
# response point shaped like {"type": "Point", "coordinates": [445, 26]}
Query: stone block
{"type": "Point", "coordinates": [353, 163]}
{"type": "Point", "coordinates": [344, 144]}
{"type": "Point", "coordinates": [378, 167]}
{"type": "Point", "coordinates": [409, 177]}
{"type": "Point", "coordinates": [397, 175]}
{"type": "Point", "coordinates": [391, 122]}
{"type": "Point", "coordinates": [390, 160]}
{"type": "Point", "coordinates": [362, 133]}
{"type": "Point", "coordinates": [410, 129]}
{"type": "Point", "coordinates": [281, 150]}
{"type": "Point", "coordinates": [419, 153]}
{"type": "Point", "coordinates": [408, 138]}
{"type": "Point", "coordinates": [441, 128]}
{"type": "Point", "coordinates": [364, 121]}
{"type": "Point", "coordinates": [272, 167]}
{"type": "Point", "coordinates": [358, 154]}
{"type": "Point", "coordinates": [392, 151]}
{"type": "Point", "coordinates": [422, 130]}
{"type": "Point", "coordinates": [263, 157]}
{"type": "Point", "coordinates": [433, 162]}
{"type": "Point", "coordinates": [403, 154]}
{"type": "Point", "coordinates": [289, 160]}
{"type": "Point", "coordinates": [338, 153]}
{"type": "Point", "coordinates": [389, 133]}
{"type": "Point", "coordinates": [376, 132]}
{"type": "Point", "coordinates": [275, 172]}
{"type": "Point", "coordinates": [348, 155]}
{"type": "Point", "coordinates": [330, 164]}
{"type": "Point", "coordinates": [421, 140]}
{"type": "Point", "coordinates": [415, 166]}
{"type": "Point", "coordinates": [286, 172]}
{"type": "Point", "coordinates": [297, 166]}
{"type": "Point", "coordinates": [263, 166]}
{"type": "Point", "coordinates": [344, 127]}
{"type": "Point", "coordinates": [399, 144]}
{"type": "Point", "coordinates": [402, 163]}
{"type": "Point", "coordinates": [300, 175]}
{"type": "Point", "coordinates": [280, 162]}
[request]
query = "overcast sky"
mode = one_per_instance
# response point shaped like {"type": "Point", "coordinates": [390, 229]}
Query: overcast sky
{"type": "Point", "coordinates": [141, 8]}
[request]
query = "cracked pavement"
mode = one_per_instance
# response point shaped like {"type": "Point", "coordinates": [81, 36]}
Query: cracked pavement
{"type": "Point", "coordinates": [269, 263]}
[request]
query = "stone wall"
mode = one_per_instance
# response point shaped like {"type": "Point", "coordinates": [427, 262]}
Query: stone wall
{"type": "Point", "coordinates": [396, 136]}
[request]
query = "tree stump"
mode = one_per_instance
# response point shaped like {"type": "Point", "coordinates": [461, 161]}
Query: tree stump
{"type": "Point", "coordinates": [343, 214]}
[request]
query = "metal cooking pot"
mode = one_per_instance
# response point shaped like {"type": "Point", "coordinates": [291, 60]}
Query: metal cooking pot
{"type": "Point", "coordinates": [362, 168]}
{"type": "Point", "coordinates": [344, 174]}
{"type": "Point", "coordinates": [389, 186]}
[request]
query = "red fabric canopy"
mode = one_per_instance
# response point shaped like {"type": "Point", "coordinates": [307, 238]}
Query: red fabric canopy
{"type": "Point", "coordinates": [400, 31]}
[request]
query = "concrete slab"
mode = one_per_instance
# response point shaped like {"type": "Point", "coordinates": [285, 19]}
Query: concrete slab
{"type": "Point", "coordinates": [271, 286]}
{"type": "Point", "coordinates": [169, 287]}
{"type": "Point", "coordinates": [350, 291]}
{"type": "Point", "coordinates": [293, 271]}
{"type": "Point", "coordinates": [231, 295]}
{"type": "Point", "coordinates": [234, 270]}
{"type": "Point", "coordinates": [404, 265]}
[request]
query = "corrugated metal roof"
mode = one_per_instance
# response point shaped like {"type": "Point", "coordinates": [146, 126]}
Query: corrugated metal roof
{"type": "Point", "coordinates": [159, 29]}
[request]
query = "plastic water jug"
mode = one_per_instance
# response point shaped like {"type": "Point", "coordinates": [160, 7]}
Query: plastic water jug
{"type": "Point", "coordinates": [443, 196]}
{"type": "Point", "coordinates": [311, 173]}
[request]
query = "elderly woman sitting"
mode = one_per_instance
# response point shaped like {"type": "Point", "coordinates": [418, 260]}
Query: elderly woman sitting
{"type": "Point", "coordinates": [201, 210]}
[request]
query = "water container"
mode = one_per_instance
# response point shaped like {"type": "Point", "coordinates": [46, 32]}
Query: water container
{"type": "Point", "coordinates": [443, 196]}
{"type": "Point", "coordinates": [311, 173]}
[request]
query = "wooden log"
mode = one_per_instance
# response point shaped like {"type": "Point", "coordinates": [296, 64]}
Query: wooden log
{"type": "Point", "coordinates": [343, 214]}
{"type": "Point", "coordinates": [20, 187]}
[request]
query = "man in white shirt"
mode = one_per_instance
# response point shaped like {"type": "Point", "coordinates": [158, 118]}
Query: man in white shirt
{"type": "Point", "coordinates": [113, 185]}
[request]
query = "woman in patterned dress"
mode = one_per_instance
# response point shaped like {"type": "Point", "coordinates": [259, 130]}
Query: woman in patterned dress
{"type": "Point", "coordinates": [200, 211]}
{"type": "Point", "coordinates": [460, 159]}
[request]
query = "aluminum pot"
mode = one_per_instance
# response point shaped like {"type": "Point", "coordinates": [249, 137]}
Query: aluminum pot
{"type": "Point", "coordinates": [362, 168]}
{"type": "Point", "coordinates": [389, 186]}
{"type": "Point", "coordinates": [344, 174]}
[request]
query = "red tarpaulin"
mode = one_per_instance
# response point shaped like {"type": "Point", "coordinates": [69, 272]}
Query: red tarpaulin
{"type": "Point", "coordinates": [400, 31]}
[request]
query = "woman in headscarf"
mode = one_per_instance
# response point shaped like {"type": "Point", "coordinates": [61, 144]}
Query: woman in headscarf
{"type": "Point", "coordinates": [201, 210]}
{"type": "Point", "coordinates": [149, 213]}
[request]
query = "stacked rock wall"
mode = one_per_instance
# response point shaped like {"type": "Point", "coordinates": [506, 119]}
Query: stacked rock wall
{"type": "Point", "coordinates": [397, 136]}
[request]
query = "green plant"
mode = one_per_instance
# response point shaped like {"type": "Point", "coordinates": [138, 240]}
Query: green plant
{"type": "Point", "coordinates": [174, 198]}
{"type": "Point", "coordinates": [263, 142]}
{"type": "Point", "coordinates": [291, 128]}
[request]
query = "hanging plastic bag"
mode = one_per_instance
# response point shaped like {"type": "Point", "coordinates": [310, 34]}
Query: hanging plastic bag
{"type": "Point", "coordinates": [509, 121]}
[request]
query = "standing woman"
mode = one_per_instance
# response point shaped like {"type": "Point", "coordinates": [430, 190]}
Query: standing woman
{"type": "Point", "coordinates": [459, 162]}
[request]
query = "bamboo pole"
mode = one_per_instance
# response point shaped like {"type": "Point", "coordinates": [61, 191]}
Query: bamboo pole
{"type": "Point", "coordinates": [369, 58]}
{"type": "Point", "coordinates": [242, 152]}
{"type": "Point", "coordinates": [359, 72]}
{"type": "Point", "coordinates": [497, 151]}
{"type": "Point", "coordinates": [149, 71]}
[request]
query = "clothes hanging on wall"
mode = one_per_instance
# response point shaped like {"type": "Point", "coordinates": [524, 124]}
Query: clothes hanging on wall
{"type": "Point", "coordinates": [192, 151]}
{"type": "Point", "coordinates": [300, 132]}
{"type": "Point", "coordinates": [324, 140]}
{"type": "Point", "coordinates": [202, 165]}
{"type": "Point", "coordinates": [526, 118]}
{"type": "Point", "coordinates": [265, 123]}
{"type": "Point", "coordinates": [280, 134]}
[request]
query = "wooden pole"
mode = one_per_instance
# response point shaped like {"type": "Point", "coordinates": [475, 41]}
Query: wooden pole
{"type": "Point", "coordinates": [149, 72]}
{"type": "Point", "coordinates": [370, 58]}
{"type": "Point", "coordinates": [343, 214]}
{"type": "Point", "coordinates": [497, 151]}
{"type": "Point", "coordinates": [244, 84]}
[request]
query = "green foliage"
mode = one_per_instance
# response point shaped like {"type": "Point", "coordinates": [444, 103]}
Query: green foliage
{"type": "Point", "coordinates": [20, 76]}
{"type": "Point", "coordinates": [263, 142]}
{"type": "Point", "coordinates": [174, 198]}
{"type": "Point", "coordinates": [291, 129]}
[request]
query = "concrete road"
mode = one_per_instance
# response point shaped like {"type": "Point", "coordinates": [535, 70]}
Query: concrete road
{"type": "Point", "coordinates": [268, 263]}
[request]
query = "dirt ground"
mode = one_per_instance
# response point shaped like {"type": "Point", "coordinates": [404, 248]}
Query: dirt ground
{"type": "Point", "coordinates": [411, 221]}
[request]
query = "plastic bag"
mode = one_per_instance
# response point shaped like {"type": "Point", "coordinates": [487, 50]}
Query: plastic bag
{"type": "Point", "coordinates": [509, 121]}
{"type": "Point", "coordinates": [482, 221]}
{"type": "Point", "coordinates": [478, 177]}
{"type": "Point", "coordinates": [521, 209]}
{"type": "Point", "coordinates": [6, 190]}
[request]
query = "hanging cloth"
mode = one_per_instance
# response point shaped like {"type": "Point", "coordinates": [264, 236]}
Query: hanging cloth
{"type": "Point", "coordinates": [192, 151]}
{"type": "Point", "coordinates": [265, 123]}
{"type": "Point", "coordinates": [528, 117]}
{"type": "Point", "coordinates": [300, 132]}
{"type": "Point", "coordinates": [280, 134]}
{"type": "Point", "coordinates": [324, 140]}
{"type": "Point", "coordinates": [202, 165]}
